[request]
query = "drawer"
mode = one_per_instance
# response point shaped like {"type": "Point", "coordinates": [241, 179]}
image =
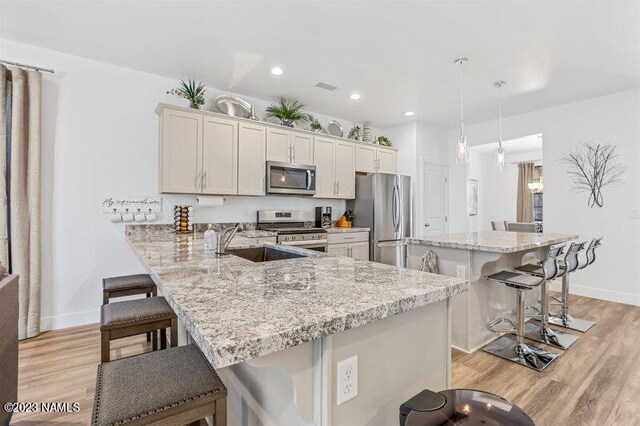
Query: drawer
{"type": "Point", "coordinates": [266, 240]}
{"type": "Point", "coordinates": [347, 237]}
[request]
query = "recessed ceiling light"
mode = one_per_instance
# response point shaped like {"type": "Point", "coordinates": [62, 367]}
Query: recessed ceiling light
{"type": "Point", "coordinates": [355, 96]}
{"type": "Point", "coordinates": [277, 71]}
{"type": "Point", "coordinates": [409, 113]}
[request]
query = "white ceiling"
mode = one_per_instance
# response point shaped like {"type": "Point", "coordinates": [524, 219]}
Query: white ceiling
{"type": "Point", "coordinates": [397, 55]}
{"type": "Point", "coordinates": [531, 144]}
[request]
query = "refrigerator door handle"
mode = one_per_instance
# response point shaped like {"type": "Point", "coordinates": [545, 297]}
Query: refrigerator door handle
{"type": "Point", "coordinates": [398, 207]}
{"type": "Point", "coordinates": [391, 244]}
{"type": "Point", "coordinates": [394, 208]}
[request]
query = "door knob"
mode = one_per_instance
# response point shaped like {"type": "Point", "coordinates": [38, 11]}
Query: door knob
{"type": "Point", "coordinates": [426, 225]}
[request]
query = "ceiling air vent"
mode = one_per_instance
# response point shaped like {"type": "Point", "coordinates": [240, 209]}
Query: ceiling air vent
{"type": "Point", "coordinates": [325, 86]}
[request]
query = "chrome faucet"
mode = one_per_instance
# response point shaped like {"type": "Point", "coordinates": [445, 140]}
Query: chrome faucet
{"type": "Point", "coordinates": [224, 240]}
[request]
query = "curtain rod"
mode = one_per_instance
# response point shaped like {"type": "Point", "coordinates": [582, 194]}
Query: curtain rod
{"type": "Point", "coordinates": [525, 162]}
{"type": "Point", "coordinates": [26, 66]}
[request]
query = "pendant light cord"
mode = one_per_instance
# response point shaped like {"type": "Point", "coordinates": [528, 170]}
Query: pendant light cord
{"type": "Point", "coordinates": [461, 99]}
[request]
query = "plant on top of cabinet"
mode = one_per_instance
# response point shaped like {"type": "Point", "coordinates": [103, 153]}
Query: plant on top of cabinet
{"type": "Point", "coordinates": [288, 111]}
{"type": "Point", "coordinates": [191, 91]}
{"type": "Point", "coordinates": [315, 125]}
{"type": "Point", "coordinates": [384, 141]}
{"type": "Point", "coordinates": [354, 133]}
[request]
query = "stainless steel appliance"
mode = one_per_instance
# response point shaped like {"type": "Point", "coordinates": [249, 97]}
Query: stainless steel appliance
{"type": "Point", "coordinates": [383, 203]}
{"type": "Point", "coordinates": [290, 179]}
{"type": "Point", "coordinates": [292, 230]}
{"type": "Point", "coordinates": [323, 217]}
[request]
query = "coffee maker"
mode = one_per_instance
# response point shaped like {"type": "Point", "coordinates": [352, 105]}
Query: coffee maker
{"type": "Point", "coordinates": [323, 217]}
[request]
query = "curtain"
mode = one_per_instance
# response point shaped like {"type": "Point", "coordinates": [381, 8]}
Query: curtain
{"type": "Point", "coordinates": [525, 198]}
{"type": "Point", "coordinates": [20, 97]}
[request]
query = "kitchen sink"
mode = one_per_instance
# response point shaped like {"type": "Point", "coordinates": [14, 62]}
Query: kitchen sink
{"type": "Point", "coordinates": [264, 254]}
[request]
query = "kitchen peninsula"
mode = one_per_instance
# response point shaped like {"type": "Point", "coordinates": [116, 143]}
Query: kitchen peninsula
{"type": "Point", "coordinates": [276, 331]}
{"type": "Point", "coordinates": [476, 255]}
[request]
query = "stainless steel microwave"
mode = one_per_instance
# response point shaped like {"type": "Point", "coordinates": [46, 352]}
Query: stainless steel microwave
{"type": "Point", "coordinates": [290, 179]}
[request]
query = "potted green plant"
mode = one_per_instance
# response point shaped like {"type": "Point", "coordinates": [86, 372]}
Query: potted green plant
{"type": "Point", "coordinates": [288, 111]}
{"type": "Point", "coordinates": [384, 141]}
{"type": "Point", "coordinates": [191, 91]}
{"type": "Point", "coordinates": [315, 125]}
{"type": "Point", "coordinates": [354, 133]}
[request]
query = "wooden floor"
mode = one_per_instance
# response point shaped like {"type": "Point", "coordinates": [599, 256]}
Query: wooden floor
{"type": "Point", "coordinates": [595, 382]}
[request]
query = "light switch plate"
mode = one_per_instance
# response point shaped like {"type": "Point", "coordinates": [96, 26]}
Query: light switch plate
{"type": "Point", "coordinates": [461, 271]}
{"type": "Point", "coordinates": [347, 383]}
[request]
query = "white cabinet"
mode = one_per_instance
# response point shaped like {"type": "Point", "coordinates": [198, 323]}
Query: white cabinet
{"type": "Point", "coordinates": [349, 244]}
{"type": "Point", "coordinates": [338, 249]}
{"type": "Point", "coordinates": [335, 163]}
{"type": "Point", "coordinates": [360, 251]}
{"type": "Point", "coordinates": [251, 159]}
{"type": "Point", "coordinates": [289, 146]}
{"type": "Point", "coordinates": [387, 161]}
{"type": "Point", "coordinates": [345, 169]}
{"type": "Point", "coordinates": [323, 155]}
{"type": "Point", "coordinates": [370, 159]}
{"type": "Point", "coordinates": [180, 144]}
{"type": "Point", "coordinates": [219, 156]}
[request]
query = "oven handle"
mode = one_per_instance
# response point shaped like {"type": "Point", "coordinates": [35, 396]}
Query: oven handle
{"type": "Point", "coordinates": [314, 243]}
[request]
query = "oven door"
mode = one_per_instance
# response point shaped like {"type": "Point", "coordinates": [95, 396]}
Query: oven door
{"type": "Point", "coordinates": [318, 245]}
{"type": "Point", "coordinates": [285, 178]}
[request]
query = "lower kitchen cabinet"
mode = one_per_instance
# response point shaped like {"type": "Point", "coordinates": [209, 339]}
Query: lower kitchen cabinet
{"type": "Point", "coordinates": [349, 244]}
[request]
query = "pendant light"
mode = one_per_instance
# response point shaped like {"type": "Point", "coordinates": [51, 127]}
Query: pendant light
{"type": "Point", "coordinates": [500, 162]}
{"type": "Point", "coordinates": [462, 148]}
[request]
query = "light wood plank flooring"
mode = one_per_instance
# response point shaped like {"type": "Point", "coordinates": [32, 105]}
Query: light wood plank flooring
{"type": "Point", "coordinates": [596, 382]}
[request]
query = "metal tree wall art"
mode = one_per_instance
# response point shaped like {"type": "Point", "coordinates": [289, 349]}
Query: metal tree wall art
{"type": "Point", "coordinates": [593, 167]}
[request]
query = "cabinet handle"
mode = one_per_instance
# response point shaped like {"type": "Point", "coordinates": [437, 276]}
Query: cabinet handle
{"type": "Point", "coordinates": [350, 251]}
{"type": "Point", "coordinates": [204, 180]}
{"type": "Point", "coordinates": [294, 154]}
{"type": "Point", "coordinates": [290, 154]}
{"type": "Point", "coordinates": [195, 181]}
{"type": "Point", "coordinates": [337, 187]}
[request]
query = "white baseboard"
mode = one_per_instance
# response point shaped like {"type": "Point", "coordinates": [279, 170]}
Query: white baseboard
{"type": "Point", "coordinates": [75, 319]}
{"type": "Point", "coordinates": [598, 293]}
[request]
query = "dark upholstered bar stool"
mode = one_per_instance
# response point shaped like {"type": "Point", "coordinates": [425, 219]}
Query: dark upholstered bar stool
{"type": "Point", "coordinates": [570, 264]}
{"type": "Point", "coordinates": [128, 285]}
{"type": "Point", "coordinates": [515, 349]}
{"type": "Point", "coordinates": [171, 387]}
{"type": "Point", "coordinates": [539, 329]}
{"type": "Point", "coordinates": [131, 317]}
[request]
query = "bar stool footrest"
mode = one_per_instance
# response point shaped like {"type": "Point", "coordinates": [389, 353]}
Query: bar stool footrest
{"type": "Point", "coordinates": [494, 326]}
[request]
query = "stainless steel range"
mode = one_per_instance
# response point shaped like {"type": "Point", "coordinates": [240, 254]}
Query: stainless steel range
{"type": "Point", "coordinates": [292, 230]}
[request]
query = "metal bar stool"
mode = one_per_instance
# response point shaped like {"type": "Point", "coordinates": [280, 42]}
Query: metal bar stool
{"type": "Point", "coordinates": [171, 387]}
{"type": "Point", "coordinates": [508, 347]}
{"type": "Point", "coordinates": [132, 317]}
{"type": "Point", "coordinates": [130, 285]}
{"type": "Point", "coordinates": [570, 264]}
{"type": "Point", "coordinates": [539, 330]}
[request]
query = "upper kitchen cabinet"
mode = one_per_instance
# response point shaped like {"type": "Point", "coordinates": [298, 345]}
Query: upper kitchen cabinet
{"type": "Point", "coordinates": [180, 147]}
{"type": "Point", "coordinates": [335, 162]}
{"type": "Point", "coordinates": [251, 159]}
{"type": "Point", "coordinates": [289, 146]}
{"type": "Point", "coordinates": [371, 159]}
{"type": "Point", "coordinates": [219, 156]}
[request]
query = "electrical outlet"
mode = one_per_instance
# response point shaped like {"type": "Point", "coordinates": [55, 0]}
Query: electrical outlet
{"type": "Point", "coordinates": [347, 380]}
{"type": "Point", "coordinates": [461, 271]}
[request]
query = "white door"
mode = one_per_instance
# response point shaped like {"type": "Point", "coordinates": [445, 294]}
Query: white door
{"type": "Point", "coordinates": [360, 251]}
{"type": "Point", "coordinates": [433, 199]}
{"type": "Point", "coordinates": [181, 141]}
{"type": "Point", "coordinates": [301, 148]}
{"type": "Point", "coordinates": [219, 156]}
{"type": "Point", "coordinates": [365, 159]}
{"type": "Point", "coordinates": [323, 153]}
{"type": "Point", "coordinates": [338, 249]}
{"type": "Point", "coordinates": [278, 145]}
{"type": "Point", "coordinates": [345, 165]}
{"type": "Point", "coordinates": [387, 161]}
{"type": "Point", "coordinates": [251, 159]}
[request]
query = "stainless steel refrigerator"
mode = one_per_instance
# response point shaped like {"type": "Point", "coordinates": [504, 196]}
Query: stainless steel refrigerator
{"type": "Point", "coordinates": [383, 203]}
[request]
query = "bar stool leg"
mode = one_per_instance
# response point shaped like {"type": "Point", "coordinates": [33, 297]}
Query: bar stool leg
{"type": "Point", "coordinates": [148, 332]}
{"type": "Point", "coordinates": [539, 330]}
{"type": "Point", "coordinates": [516, 350]}
{"type": "Point", "coordinates": [563, 319]}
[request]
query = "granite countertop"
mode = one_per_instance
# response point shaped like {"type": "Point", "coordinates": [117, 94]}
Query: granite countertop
{"type": "Point", "coordinates": [237, 310]}
{"type": "Point", "coordinates": [493, 241]}
{"type": "Point", "coordinates": [256, 233]}
{"type": "Point", "coordinates": [336, 230]}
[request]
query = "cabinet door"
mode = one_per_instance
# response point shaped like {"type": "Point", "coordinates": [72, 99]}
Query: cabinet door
{"type": "Point", "coordinates": [323, 155]}
{"type": "Point", "coordinates": [302, 148]}
{"type": "Point", "coordinates": [181, 142]}
{"type": "Point", "coordinates": [219, 156]}
{"type": "Point", "coordinates": [338, 249]}
{"type": "Point", "coordinates": [360, 251]}
{"type": "Point", "coordinates": [365, 158]}
{"type": "Point", "coordinates": [345, 165]}
{"type": "Point", "coordinates": [387, 161]}
{"type": "Point", "coordinates": [251, 159]}
{"type": "Point", "coordinates": [278, 144]}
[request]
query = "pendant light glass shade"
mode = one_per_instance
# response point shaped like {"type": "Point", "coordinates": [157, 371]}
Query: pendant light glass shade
{"type": "Point", "coordinates": [500, 161]}
{"type": "Point", "coordinates": [462, 147]}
